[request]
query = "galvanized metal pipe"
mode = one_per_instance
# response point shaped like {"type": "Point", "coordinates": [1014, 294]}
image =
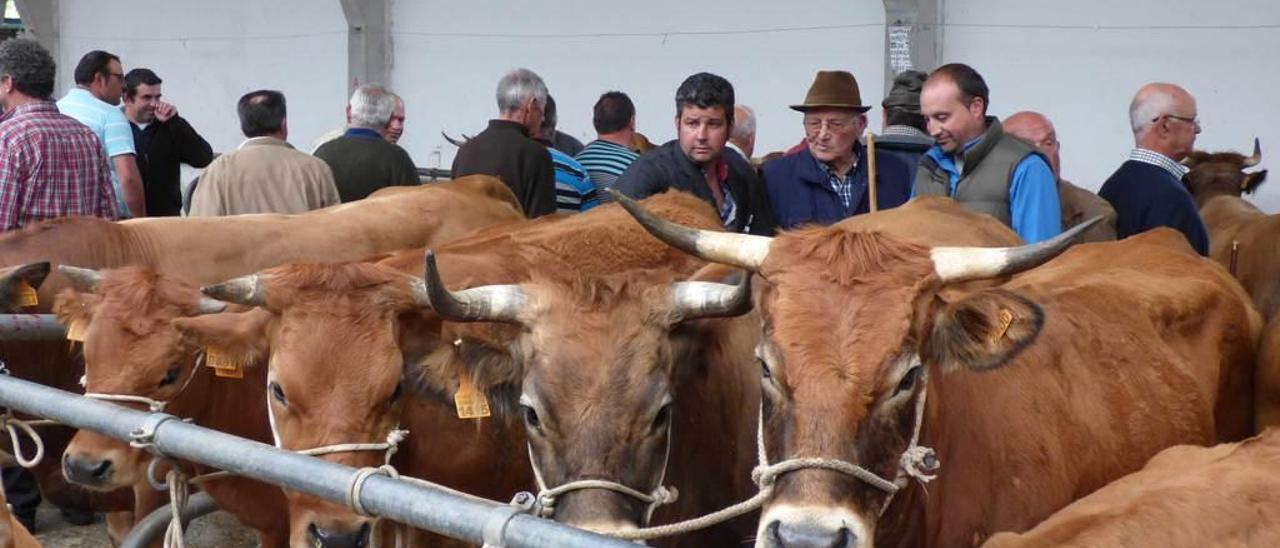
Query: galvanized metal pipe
{"type": "Point", "coordinates": [30, 327]}
{"type": "Point", "coordinates": [424, 507]}
{"type": "Point", "coordinates": [152, 527]}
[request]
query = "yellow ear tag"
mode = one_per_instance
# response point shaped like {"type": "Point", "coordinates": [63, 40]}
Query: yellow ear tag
{"type": "Point", "coordinates": [471, 403]}
{"type": "Point", "coordinates": [223, 364]}
{"type": "Point", "coordinates": [75, 331]}
{"type": "Point", "coordinates": [25, 295]}
{"type": "Point", "coordinates": [1006, 320]}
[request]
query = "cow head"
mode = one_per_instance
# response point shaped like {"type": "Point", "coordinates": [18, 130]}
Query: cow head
{"type": "Point", "coordinates": [597, 365]}
{"type": "Point", "coordinates": [855, 330]}
{"type": "Point", "coordinates": [1223, 174]}
{"type": "Point", "coordinates": [130, 350]}
{"type": "Point", "coordinates": [329, 335]}
{"type": "Point", "coordinates": [17, 283]}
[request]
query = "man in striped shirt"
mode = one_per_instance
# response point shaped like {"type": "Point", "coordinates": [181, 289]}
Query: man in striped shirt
{"type": "Point", "coordinates": [50, 164]}
{"type": "Point", "coordinates": [610, 154]}
{"type": "Point", "coordinates": [574, 191]}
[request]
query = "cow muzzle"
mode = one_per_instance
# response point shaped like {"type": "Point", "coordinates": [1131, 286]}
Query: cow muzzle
{"type": "Point", "coordinates": [789, 526]}
{"type": "Point", "coordinates": [350, 536]}
{"type": "Point", "coordinates": [87, 470]}
{"type": "Point", "coordinates": [793, 535]}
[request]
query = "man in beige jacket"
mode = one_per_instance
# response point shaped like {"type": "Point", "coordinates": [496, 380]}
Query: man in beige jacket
{"type": "Point", "coordinates": [266, 174]}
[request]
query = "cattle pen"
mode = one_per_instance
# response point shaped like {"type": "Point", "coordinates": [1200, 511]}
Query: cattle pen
{"type": "Point", "coordinates": [416, 504]}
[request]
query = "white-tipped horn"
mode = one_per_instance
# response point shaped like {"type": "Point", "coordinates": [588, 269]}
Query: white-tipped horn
{"type": "Point", "coordinates": [491, 303]}
{"type": "Point", "coordinates": [954, 264]}
{"type": "Point", "coordinates": [695, 300]}
{"type": "Point", "coordinates": [1257, 155]}
{"type": "Point", "coordinates": [210, 306]}
{"type": "Point", "coordinates": [84, 279]}
{"type": "Point", "coordinates": [245, 290]}
{"type": "Point", "coordinates": [742, 250]}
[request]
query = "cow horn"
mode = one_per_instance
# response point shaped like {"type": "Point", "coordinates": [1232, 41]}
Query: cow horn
{"type": "Point", "coordinates": [210, 306]}
{"type": "Point", "coordinates": [741, 250]}
{"type": "Point", "coordinates": [696, 300]}
{"type": "Point", "coordinates": [1257, 155]}
{"type": "Point", "coordinates": [491, 303]}
{"type": "Point", "coordinates": [84, 279]}
{"type": "Point", "coordinates": [245, 290]}
{"type": "Point", "coordinates": [455, 142]}
{"type": "Point", "coordinates": [955, 264]}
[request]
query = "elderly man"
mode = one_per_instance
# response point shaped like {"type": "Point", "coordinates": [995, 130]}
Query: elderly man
{"type": "Point", "coordinates": [903, 132]}
{"type": "Point", "coordinates": [361, 159]}
{"type": "Point", "coordinates": [1078, 204]}
{"type": "Point", "coordinates": [505, 149]}
{"type": "Point", "coordinates": [1147, 191]}
{"type": "Point", "coordinates": [827, 180]}
{"type": "Point", "coordinates": [395, 124]}
{"type": "Point", "coordinates": [743, 137]}
{"type": "Point", "coordinates": [265, 174]}
{"type": "Point", "coordinates": [974, 162]}
{"type": "Point", "coordinates": [695, 161]}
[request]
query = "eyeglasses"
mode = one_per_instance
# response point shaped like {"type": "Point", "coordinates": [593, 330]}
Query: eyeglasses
{"type": "Point", "coordinates": [814, 125]}
{"type": "Point", "coordinates": [1193, 121]}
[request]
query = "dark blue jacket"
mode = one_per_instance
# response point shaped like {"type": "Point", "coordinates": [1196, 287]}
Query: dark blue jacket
{"type": "Point", "coordinates": [1146, 196]}
{"type": "Point", "coordinates": [909, 148]}
{"type": "Point", "coordinates": [800, 192]}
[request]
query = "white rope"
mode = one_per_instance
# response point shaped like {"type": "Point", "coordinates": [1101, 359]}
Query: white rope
{"type": "Point", "coordinates": [178, 493]}
{"type": "Point", "coordinates": [155, 406]}
{"type": "Point", "coordinates": [355, 486]}
{"type": "Point", "coordinates": [14, 426]}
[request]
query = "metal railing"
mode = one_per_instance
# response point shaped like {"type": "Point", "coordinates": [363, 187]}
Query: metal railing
{"type": "Point", "coordinates": [469, 519]}
{"type": "Point", "coordinates": [30, 327]}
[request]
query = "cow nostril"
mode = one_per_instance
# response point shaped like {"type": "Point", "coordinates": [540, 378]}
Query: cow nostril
{"type": "Point", "coordinates": [362, 538]}
{"type": "Point", "coordinates": [102, 470]}
{"type": "Point", "coordinates": [809, 536]}
{"type": "Point", "coordinates": [323, 538]}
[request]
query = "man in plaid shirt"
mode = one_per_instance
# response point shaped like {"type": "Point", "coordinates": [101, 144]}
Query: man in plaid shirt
{"type": "Point", "coordinates": [51, 165]}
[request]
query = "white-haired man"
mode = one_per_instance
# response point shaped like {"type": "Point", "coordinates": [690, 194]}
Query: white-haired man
{"type": "Point", "coordinates": [361, 159]}
{"type": "Point", "coordinates": [1147, 191]}
{"type": "Point", "coordinates": [742, 139]}
{"type": "Point", "coordinates": [505, 149]}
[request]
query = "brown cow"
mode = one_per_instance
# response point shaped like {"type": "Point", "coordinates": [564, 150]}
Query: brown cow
{"type": "Point", "coordinates": [131, 350]}
{"type": "Point", "coordinates": [12, 533]}
{"type": "Point", "coordinates": [617, 381]}
{"type": "Point", "coordinates": [1188, 496]}
{"type": "Point", "coordinates": [1039, 390]}
{"type": "Point", "coordinates": [206, 250]}
{"type": "Point", "coordinates": [317, 320]}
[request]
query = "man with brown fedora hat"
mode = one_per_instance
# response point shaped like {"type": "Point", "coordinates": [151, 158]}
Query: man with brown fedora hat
{"type": "Point", "coordinates": [826, 181]}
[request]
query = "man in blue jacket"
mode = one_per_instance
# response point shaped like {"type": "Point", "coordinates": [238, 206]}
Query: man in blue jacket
{"type": "Point", "coordinates": [827, 180]}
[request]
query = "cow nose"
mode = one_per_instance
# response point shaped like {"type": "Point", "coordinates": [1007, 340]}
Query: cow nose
{"type": "Point", "coordinates": [329, 538]}
{"type": "Point", "coordinates": [85, 470]}
{"type": "Point", "coordinates": [802, 535]}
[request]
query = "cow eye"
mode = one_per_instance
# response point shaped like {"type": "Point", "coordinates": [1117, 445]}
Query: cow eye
{"type": "Point", "coordinates": [277, 392]}
{"type": "Point", "coordinates": [531, 417]}
{"type": "Point", "coordinates": [764, 369]}
{"type": "Point", "coordinates": [171, 376]}
{"type": "Point", "coordinates": [908, 381]}
{"type": "Point", "coordinates": [662, 419]}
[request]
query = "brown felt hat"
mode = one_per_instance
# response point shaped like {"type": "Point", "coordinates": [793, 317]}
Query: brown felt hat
{"type": "Point", "coordinates": [833, 89]}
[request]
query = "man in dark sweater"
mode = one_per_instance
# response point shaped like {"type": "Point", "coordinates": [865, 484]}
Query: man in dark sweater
{"type": "Point", "coordinates": [695, 162]}
{"type": "Point", "coordinates": [505, 149]}
{"type": "Point", "coordinates": [163, 140]}
{"type": "Point", "coordinates": [1147, 191]}
{"type": "Point", "coordinates": [362, 160]}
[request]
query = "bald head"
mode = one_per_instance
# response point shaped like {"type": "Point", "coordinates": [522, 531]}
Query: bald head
{"type": "Point", "coordinates": [1036, 129]}
{"type": "Point", "coordinates": [1164, 119]}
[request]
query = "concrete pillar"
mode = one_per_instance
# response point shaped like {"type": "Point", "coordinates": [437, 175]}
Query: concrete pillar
{"type": "Point", "coordinates": [368, 41]}
{"type": "Point", "coordinates": [913, 35]}
{"type": "Point", "coordinates": [40, 17]}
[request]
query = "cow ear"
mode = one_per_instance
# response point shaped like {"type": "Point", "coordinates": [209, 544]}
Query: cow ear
{"type": "Point", "coordinates": [243, 335]}
{"type": "Point", "coordinates": [18, 285]}
{"type": "Point", "coordinates": [72, 307]}
{"type": "Point", "coordinates": [466, 351]}
{"type": "Point", "coordinates": [983, 330]}
{"type": "Point", "coordinates": [1253, 180]}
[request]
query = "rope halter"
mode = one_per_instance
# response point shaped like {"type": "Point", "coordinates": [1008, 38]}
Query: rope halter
{"type": "Point", "coordinates": [356, 483]}
{"type": "Point", "coordinates": [153, 405]}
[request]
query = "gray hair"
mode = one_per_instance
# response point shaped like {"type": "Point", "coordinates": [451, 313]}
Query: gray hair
{"type": "Point", "coordinates": [517, 87]}
{"type": "Point", "coordinates": [371, 106]}
{"type": "Point", "coordinates": [1147, 106]}
{"type": "Point", "coordinates": [744, 127]}
{"type": "Point", "coordinates": [29, 66]}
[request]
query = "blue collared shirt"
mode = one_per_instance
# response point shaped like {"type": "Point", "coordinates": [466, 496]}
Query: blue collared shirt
{"type": "Point", "coordinates": [1033, 194]}
{"type": "Point", "coordinates": [362, 132]}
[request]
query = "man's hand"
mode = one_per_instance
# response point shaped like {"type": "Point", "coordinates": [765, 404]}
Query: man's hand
{"type": "Point", "coordinates": [165, 111]}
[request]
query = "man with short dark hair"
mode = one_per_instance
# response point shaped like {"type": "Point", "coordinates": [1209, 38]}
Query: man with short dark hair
{"type": "Point", "coordinates": [506, 148]}
{"type": "Point", "coordinates": [362, 160]}
{"type": "Point", "coordinates": [614, 117]}
{"type": "Point", "coordinates": [1147, 190]}
{"type": "Point", "coordinates": [829, 180]}
{"type": "Point", "coordinates": [975, 163]}
{"type": "Point", "coordinates": [51, 165]}
{"type": "Point", "coordinates": [574, 191]}
{"type": "Point", "coordinates": [695, 161]}
{"type": "Point", "coordinates": [95, 102]}
{"type": "Point", "coordinates": [265, 174]}
{"type": "Point", "coordinates": [903, 131]}
{"type": "Point", "coordinates": [163, 141]}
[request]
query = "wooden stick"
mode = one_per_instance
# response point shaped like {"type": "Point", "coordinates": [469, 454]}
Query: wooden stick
{"type": "Point", "coordinates": [871, 170]}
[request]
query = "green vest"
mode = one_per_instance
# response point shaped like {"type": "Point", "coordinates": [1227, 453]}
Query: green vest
{"type": "Point", "coordinates": [988, 171]}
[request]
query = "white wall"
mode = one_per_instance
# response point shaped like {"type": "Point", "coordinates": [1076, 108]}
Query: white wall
{"type": "Point", "coordinates": [448, 57]}
{"type": "Point", "coordinates": [1042, 55]}
{"type": "Point", "coordinates": [211, 53]}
